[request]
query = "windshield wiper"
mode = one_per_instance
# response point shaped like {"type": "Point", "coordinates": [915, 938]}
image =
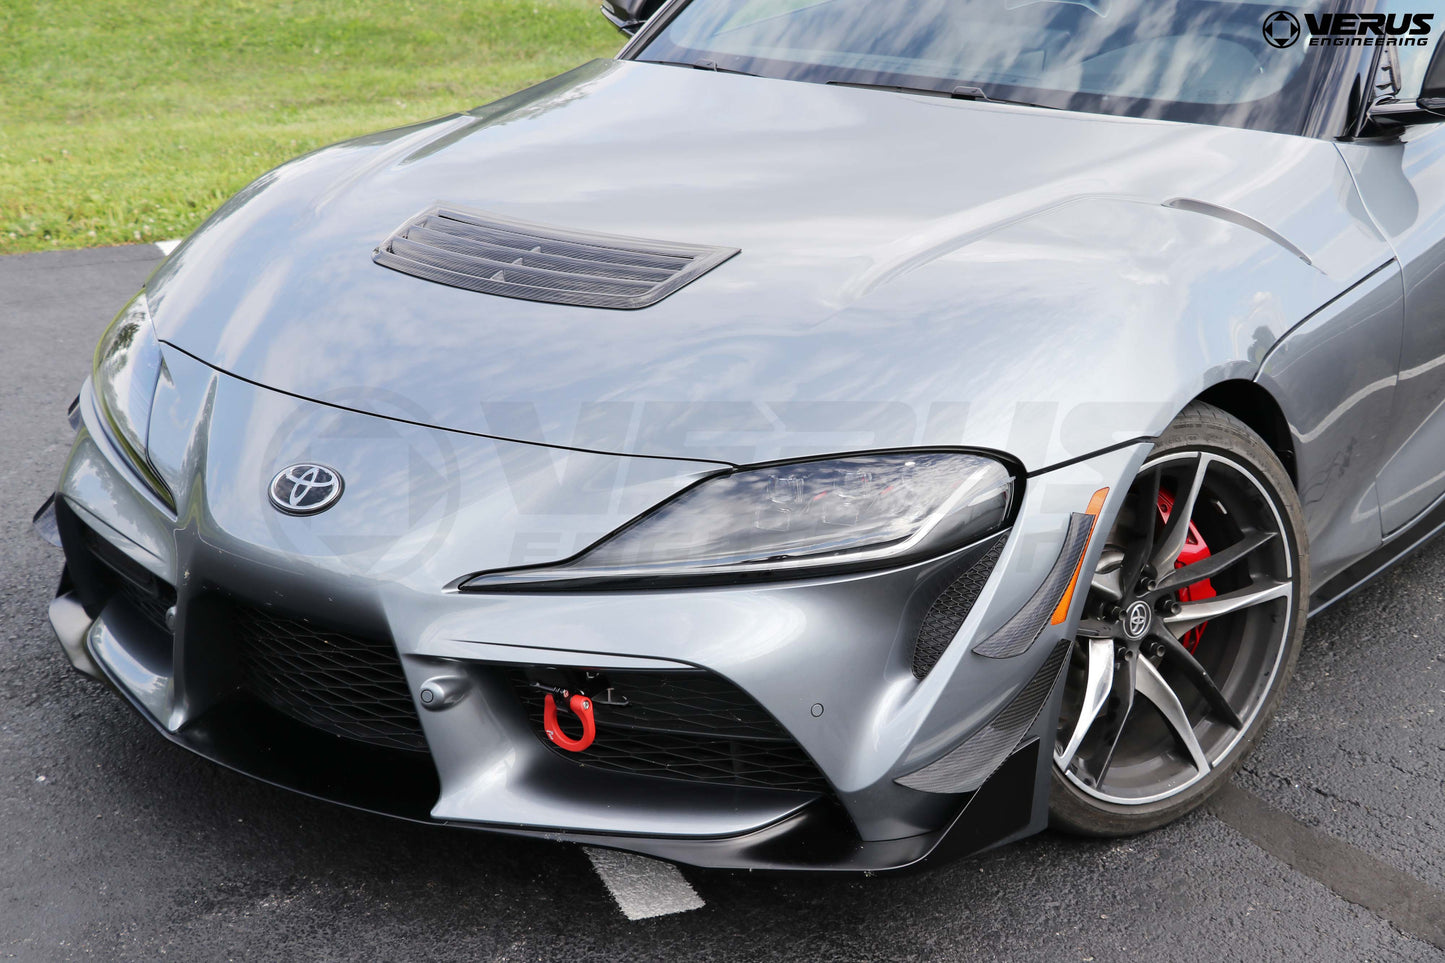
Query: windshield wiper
{"type": "Point", "coordinates": [701, 65]}
{"type": "Point", "coordinates": [961, 92]}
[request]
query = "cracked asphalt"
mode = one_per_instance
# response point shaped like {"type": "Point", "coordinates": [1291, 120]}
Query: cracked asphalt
{"type": "Point", "coordinates": [115, 845]}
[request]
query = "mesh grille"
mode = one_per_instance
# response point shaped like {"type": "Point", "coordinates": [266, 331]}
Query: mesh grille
{"type": "Point", "coordinates": [152, 606]}
{"type": "Point", "coordinates": [945, 616]}
{"type": "Point", "coordinates": [514, 259]}
{"type": "Point", "coordinates": [684, 725]}
{"type": "Point", "coordinates": [341, 684]}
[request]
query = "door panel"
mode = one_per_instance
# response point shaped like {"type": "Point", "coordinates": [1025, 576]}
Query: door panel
{"type": "Point", "coordinates": [1334, 378]}
{"type": "Point", "coordinates": [1403, 185]}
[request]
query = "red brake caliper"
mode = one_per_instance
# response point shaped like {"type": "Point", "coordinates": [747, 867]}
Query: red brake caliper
{"type": "Point", "coordinates": [1194, 550]}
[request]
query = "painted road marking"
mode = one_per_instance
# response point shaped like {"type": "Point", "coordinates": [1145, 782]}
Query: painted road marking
{"type": "Point", "coordinates": [1413, 907]}
{"type": "Point", "coordinates": [643, 887]}
{"type": "Point", "coordinates": [167, 246]}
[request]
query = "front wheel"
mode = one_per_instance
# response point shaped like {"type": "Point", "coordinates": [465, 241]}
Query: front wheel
{"type": "Point", "coordinates": [1189, 633]}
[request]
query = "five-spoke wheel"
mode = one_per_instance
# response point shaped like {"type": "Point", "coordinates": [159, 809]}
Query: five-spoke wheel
{"type": "Point", "coordinates": [1190, 629]}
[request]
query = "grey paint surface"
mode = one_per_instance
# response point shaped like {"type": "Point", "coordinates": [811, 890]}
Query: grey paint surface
{"type": "Point", "coordinates": [840, 326]}
{"type": "Point", "coordinates": [130, 847]}
{"type": "Point", "coordinates": [1341, 432]}
{"type": "Point", "coordinates": [1403, 184]}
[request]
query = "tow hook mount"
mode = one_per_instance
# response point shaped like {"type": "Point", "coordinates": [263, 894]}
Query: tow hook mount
{"type": "Point", "coordinates": [580, 706]}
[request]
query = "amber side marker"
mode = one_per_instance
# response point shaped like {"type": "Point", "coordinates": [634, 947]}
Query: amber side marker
{"type": "Point", "coordinates": [1096, 505]}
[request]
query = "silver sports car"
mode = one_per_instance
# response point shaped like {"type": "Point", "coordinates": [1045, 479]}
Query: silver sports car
{"type": "Point", "coordinates": [833, 434]}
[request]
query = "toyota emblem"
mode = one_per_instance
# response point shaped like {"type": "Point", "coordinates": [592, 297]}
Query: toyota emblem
{"type": "Point", "coordinates": [1137, 619]}
{"type": "Point", "coordinates": [305, 489]}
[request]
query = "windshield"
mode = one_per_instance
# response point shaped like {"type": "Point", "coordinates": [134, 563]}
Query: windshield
{"type": "Point", "coordinates": [1193, 60]}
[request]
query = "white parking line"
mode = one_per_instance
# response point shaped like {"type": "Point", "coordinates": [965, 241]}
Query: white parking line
{"type": "Point", "coordinates": [168, 246]}
{"type": "Point", "coordinates": [643, 887]}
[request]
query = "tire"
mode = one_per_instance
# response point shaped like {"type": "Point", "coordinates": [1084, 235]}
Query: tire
{"type": "Point", "coordinates": [1131, 769]}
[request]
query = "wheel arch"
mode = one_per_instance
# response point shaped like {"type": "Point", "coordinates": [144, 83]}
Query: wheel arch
{"type": "Point", "coordinates": [1257, 408]}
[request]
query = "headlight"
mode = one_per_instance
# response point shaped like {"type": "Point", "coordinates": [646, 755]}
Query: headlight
{"type": "Point", "coordinates": [860, 511]}
{"type": "Point", "coordinates": [124, 376]}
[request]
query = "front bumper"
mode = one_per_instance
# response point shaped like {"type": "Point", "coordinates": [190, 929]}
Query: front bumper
{"type": "Point", "coordinates": [828, 659]}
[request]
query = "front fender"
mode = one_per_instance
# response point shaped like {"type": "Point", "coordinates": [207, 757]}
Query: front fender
{"type": "Point", "coordinates": [1094, 323]}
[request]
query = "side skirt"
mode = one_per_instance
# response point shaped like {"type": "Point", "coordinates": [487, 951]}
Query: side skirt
{"type": "Point", "coordinates": [1425, 527]}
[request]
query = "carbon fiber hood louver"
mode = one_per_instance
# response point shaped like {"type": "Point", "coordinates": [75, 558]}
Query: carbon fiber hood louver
{"type": "Point", "coordinates": [514, 259]}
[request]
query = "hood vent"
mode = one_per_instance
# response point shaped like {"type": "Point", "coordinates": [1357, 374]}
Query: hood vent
{"type": "Point", "coordinates": [514, 259]}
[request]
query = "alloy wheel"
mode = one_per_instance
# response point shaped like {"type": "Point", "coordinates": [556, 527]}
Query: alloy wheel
{"type": "Point", "coordinates": [1185, 629]}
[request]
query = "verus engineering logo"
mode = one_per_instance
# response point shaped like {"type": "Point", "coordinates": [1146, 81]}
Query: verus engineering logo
{"type": "Point", "coordinates": [1283, 29]}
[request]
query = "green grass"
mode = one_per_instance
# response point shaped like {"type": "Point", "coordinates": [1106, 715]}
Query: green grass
{"type": "Point", "coordinates": [131, 120]}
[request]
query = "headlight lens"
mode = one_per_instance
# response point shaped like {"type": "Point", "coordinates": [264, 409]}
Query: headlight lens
{"type": "Point", "coordinates": [864, 510]}
{"type": "Point", "coordinates": [126, 371]}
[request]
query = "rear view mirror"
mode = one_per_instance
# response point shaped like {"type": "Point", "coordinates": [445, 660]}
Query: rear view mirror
{"type": "Point", "coordinates": [629, 15]}
{"type": "Point", "coordinates": [1433, 90]}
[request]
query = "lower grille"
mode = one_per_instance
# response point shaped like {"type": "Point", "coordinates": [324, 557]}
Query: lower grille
{"type": "Point", "coordinates": [341, 684]}
{"type": "Point", "coordinates": [150, 597]}
{"type": "Point", "coordinates": [692, 726]}
{"type": "Point", "coordinates": [151, 605]}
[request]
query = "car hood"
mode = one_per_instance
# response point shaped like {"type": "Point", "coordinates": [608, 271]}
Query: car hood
{"type": "Point", "coordinates": [913, 270]}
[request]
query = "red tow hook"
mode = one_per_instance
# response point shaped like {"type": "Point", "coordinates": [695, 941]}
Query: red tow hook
{"type": "Point", "coordinates": [581, 707]}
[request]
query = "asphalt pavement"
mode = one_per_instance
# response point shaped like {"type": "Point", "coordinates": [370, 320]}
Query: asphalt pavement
{"type": "Point", "coordinates": [116, 845]}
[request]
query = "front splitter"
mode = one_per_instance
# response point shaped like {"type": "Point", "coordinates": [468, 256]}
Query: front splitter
{"type": "Point", "coordinates": [263, 744]}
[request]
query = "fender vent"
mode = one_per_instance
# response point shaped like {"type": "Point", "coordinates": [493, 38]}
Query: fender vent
{"type": "Point", "coordinates": [514, 259]}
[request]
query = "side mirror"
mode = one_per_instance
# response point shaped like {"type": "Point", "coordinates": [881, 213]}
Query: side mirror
{"type": "Point", "coordinates": [629, 15]}
{"type": "Point", "coordinates": [1389, 113]}
{"type": "Point", "coordinates": [1434, 86]}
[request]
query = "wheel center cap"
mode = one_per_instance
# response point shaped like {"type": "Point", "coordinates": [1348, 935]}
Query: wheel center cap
{"type": "Point", "coordinates": [1137, 619]}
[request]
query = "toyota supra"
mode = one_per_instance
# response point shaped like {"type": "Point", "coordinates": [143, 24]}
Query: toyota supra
{"type": "Point", "coordinates": [830, 435]}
